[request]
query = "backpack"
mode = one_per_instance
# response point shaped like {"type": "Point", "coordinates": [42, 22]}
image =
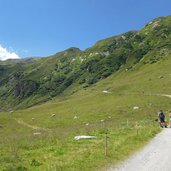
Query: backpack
{"type": "Point", "coordinates": [161, 115]}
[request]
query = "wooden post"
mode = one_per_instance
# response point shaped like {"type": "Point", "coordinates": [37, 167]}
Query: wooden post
{"type": "Point", "coordinates": [103, 124]}
{"type": "Point", "coordinates": [106, 144]}
{"type": "Point", "coordinates": [127, 123]}
{"type": "Point", "coordinates": [136, 126]}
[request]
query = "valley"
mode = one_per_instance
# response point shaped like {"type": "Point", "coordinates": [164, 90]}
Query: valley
{"type": "Point", "coordinates": [115, 87]}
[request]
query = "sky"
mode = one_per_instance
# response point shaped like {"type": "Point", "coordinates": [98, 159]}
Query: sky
{"type": "Point", "coordinates": [35, 28]}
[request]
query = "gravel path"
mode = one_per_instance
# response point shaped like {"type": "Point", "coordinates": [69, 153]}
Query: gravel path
{"type": "Point", "coordinates": [156, 156]}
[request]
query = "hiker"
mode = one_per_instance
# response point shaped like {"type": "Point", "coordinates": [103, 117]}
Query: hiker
{"type": "Point", "coordinates": [162, 119]}
{"type": "Point", "coordinates": [170, 118]}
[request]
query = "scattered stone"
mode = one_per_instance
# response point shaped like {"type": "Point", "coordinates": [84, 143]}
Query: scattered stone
{"type": "Point", "coordinates": [76, 117]}
{"type": "Point", "coordinates": [81, 59]}
{"type": "Point", "coordinates": [123, 37]}
{"type": "Point", "coordinates": [53, 115]}
{"type": "Point", "coordinates": [106, 53]}
{"type": "Point", "coordinates": [37, 133]}
{"type": "Point", "coordinates": [105, 91]}
{"type": "Point", "coordinates": [155, 24]}
{"type": "Point", "coordinates": [84, 137]}
{"type": "Point", "coordinates": [161, 77]}
{"type": "Point", "coordinates": [33, 119]}
{"type": "Point", "coordinates": [135, 107]}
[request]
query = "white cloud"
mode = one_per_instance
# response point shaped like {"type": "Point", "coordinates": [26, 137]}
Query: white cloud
{"type": "Point", "coordinates": [5, 54]}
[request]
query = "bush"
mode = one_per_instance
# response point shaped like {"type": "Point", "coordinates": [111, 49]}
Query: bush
{"type": "Point", "coordinates": [16, 168]}
{"type": "Point", "coordinates": [34, 162]}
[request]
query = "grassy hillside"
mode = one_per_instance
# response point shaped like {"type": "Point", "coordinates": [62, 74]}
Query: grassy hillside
{"type": "Point", "coordinates": [34, 81]}
{"type": "Point", "coordinates": [90, 93]}
{"type": "Point", "coordinates": [47, 143]}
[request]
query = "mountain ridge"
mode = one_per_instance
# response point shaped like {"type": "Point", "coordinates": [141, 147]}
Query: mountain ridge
{"type": "Point", "coordinates": [38, 80]}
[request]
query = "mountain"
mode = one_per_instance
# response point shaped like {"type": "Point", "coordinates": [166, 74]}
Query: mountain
{"type": "Point", "coordinates": [112, 91]}
{"type": "Point", "coordinates": [31, 81]}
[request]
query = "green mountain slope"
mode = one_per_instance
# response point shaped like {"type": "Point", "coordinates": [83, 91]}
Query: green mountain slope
{"type": "Point", "coordinates": [38, 80]}
{"type": "Point", "coordinates": [87, 92]}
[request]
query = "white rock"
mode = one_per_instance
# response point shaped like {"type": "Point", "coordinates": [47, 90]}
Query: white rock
{"type": "Point", "coordinates": [76, 117]}
{"type": "Point", "coordinates": [84, 137]}
{"type": "Point", "coordinates": [33, 119]}
{"type": "Point", "coordinates": [81, 59]}
{"type": "Point", "coordinates": [123, 37]}
{"type": "Point", "coordinates": [53, 115]}
{"type": "Point", "coordinates": [37, 133]}
{"type": "Point", "coordinates": [135, 107]}
{"type": "Point", "coordinates": [105, 91]}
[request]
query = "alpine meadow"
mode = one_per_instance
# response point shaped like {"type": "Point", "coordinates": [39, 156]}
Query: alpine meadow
{"type": "Point", "coordinates": [111, 90]}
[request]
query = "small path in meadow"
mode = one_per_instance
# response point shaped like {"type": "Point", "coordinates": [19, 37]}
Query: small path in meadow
{"type": "Point", "coordinates": [21, 122]}
{"type": "Point", "coordinates": [156, 156]}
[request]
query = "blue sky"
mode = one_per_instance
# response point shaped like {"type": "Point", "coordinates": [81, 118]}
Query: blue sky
{"type": "Point", "coordinates": [44, 27]}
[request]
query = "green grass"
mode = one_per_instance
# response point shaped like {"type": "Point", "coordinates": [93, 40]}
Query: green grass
{"type": "Point", "coordinates": [56, 149]}
{"type": "Point", "coordinates": [51, 152]}
{"type": "Point", "coordinates": [139, 67]}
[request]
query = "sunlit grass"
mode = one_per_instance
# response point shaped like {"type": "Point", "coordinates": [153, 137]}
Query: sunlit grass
{"type": "Point", "coordinates": [54, 147]}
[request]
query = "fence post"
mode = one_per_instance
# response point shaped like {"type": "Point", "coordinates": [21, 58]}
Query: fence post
{"type": "Point", "coordinates": [127, 123]}
{"type": "Point", "coordinates": [106, 143]}
{"type": "Point", "coordinates": [136, 126]}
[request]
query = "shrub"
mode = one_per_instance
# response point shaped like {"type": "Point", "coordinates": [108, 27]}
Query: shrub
{"type": "Point", "coordinates": [34, 162]}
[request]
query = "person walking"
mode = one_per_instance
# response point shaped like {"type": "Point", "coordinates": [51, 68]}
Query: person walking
{"type": "Point", "coordinates": [170, 118]}
{"type": "Point", "coordinates": [162, 119]}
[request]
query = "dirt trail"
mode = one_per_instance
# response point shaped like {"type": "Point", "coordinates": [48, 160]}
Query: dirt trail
{"type": "Point", "coordinates": [21, 122]}
{"type": "Point", "coordinates": [156, 156]}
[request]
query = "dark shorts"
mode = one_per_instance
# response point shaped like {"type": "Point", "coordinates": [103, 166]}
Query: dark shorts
{"type": "Point", "coordinates": [162, 120]}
